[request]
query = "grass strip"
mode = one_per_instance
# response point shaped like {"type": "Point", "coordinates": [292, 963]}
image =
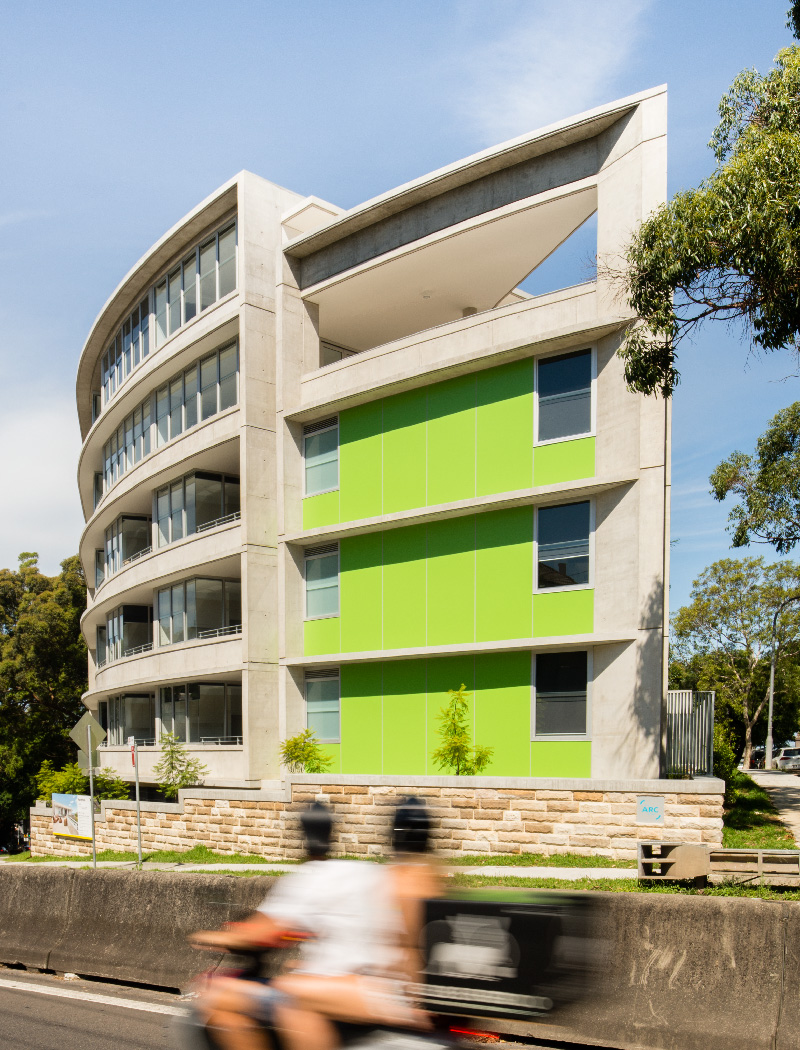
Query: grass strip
{"type": "Point", "coordinates": [539, 860]}
{"type": "Point", "coordinates": [751, 821]}
{"type": "Point", "coordinates": [626, 886]}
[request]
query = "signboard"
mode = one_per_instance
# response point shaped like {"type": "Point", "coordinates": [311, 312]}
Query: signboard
{"type": "Point", "coordinates": [650, 809]}
{"type": "Point", "coordinates": [88, 724]}
{"type": "Point", "coordinates": [72, 816]}
{"type": "Point", "coordinates": [83, 761]}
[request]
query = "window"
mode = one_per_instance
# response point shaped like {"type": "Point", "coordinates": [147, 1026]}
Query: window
{"type": "Point", "coordinates": [128, 631]}
{"type": "Point", "coordinates": [321, 453]}
{"type": "Point", "coordinates": [322, 704]}
{"type": "Point", "coordinates": [126, 716]}
{"type": "Point", "coordinates": [202, 712]}
{"type": "Point", "coordinates": [198, 608]}
{"type": "Point", "coordinates": [322, 581]}
{"type": "Point", "coordinates": [127, 446]}
{"type": "Point", "coordinates": [564, 387]}
{"type": "Point", "coordinates": [97, 493]}
{"type": "Point", "coordinates": [561, 694]}
{"type": "Point", "coordinates": [99, 568]}
{"type": "Point", "coordinates": [330, 353]}
{"type": "Point", "coordinates": [96, 405]}
{"type": "Point", "coordinates": [563, 545]}
{"type": "Point", "coordinates": [195, 503]}
{"type": "Point", "coordinates": [130, 347]}
{"type": "Point", "coordinates": [177, 404]}
{"type": "Point", "coordinates": [126, 539]}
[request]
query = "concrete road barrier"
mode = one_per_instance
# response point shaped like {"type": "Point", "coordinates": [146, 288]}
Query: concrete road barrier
{"type": "Point", "coordinates": [674, 972]}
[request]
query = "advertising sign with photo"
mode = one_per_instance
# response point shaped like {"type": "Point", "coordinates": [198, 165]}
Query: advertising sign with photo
{"type": "Point", "coordinates": [72, 816]}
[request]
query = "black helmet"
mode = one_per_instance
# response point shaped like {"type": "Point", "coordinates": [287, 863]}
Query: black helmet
{"type": "Point", "coordinates": [411, 827]}
{"type": "Point", "coordinates": [317, 823]}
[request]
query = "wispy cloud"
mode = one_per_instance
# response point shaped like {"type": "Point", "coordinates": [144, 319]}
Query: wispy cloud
{"type": "Point", "coordinates": [547, 62]}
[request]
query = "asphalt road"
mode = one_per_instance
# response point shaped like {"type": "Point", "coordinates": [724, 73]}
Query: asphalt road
{"type": "Point", "coordinates": [43, 1013]}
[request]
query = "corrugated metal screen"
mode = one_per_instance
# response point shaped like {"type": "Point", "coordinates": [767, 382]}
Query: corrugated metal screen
{"type": "Point", "coordinates": [690, 732]}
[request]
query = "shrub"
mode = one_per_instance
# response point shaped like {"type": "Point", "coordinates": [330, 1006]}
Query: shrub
{"type": "Point", "coordinates": [303, 754]}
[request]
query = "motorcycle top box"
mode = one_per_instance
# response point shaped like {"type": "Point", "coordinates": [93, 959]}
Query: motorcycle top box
{"type": "Point", "coordinates": [506, 954]}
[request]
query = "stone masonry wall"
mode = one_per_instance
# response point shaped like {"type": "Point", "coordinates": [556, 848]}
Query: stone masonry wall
{"type": "Point", "coordinates": [470, 815]}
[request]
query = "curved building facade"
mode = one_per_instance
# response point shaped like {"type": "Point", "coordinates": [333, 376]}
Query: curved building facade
{"type": "Point", "coordinates": [336, 463]}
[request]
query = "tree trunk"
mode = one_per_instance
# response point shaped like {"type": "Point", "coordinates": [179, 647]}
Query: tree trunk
{"type": "Point", "coordinates": [748, 745]}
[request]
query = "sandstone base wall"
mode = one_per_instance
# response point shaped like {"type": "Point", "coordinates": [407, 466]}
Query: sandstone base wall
{"type": "Point", "coordinates": [470, 815]}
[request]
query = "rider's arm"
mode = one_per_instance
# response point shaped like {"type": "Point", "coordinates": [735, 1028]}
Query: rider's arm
{"type": "Point", "coordinates": [255, 931]}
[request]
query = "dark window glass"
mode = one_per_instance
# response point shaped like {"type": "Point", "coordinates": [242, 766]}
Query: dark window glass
{"type": "Point", "coordinates": [565, 395]}
{"type": "Point", "coordinates": [208, 498]}
{"type": "Point", "coordinates": [563, 536]}
{"type": "Point", "coordinates": [561, 693]}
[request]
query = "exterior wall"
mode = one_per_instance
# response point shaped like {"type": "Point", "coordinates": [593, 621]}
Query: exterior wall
{"type": "Point", "coordinates": [469, 815]}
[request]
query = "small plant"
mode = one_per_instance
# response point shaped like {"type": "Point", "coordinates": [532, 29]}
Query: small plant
{"type": "Point", "coordinates": [71, 780]}
{"type": "Point", "coordinates": [303, 754]}
{"type": "Point", "coordinates": [108, 784]}
{"type": "Point", "coordinates": [457, 753]}
{"type": "Point", "coordinates": [724, 762]}
{"type": "Point", "coordinates": [175, 770]}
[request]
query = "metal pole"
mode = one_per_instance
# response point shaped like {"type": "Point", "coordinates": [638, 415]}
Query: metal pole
{"type": "Point", "coordinates": [91, 793]}
{"type": "Point", "coordinates": [138, 802]}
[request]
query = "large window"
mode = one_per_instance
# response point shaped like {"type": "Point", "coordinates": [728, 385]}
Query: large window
{"type": "Point", "coordinates": [129, 444]}
{"type": "Point", "coordinates": [561, 706]}
{"type": "Point", "coordinates": [564, 388]}
{"type": "Point", "coordinates": [205, 275]}
{"type": "Point", "coordinates": [126, 539]}
{"type": "Point", "coordinates": [202, 712]}
{"type": "Point", "coordinates": [322, 704]}
{"type": "Point", "coordinates": [322, 581]}
{"type": "Point", "coordinates": [562, 536]}
{"type": "Point", "coordinates": [321, 452]}
{"type": "Point", "coordinates": [198, 608]}
{"type": "Point", "coordinates": [128, 630]}
{"type": "Point", "coordinates": [195, 503]}
{"type": "Point", "coordinates": [126, 716]}
{"type": "Point", "coordinates": [208, 387]}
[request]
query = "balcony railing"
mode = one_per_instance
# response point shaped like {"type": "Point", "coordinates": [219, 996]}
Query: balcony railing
{"type": "Point", "coordinates": [221, 632]}
{"type": "Point", "coordinates": [226, 520]}
{"type": "Point", "coordinates": [139, 554]}
{"type": "Point", "coordinates": [222, 740]}
{"type": "Point", "coordinates": [138, 649]}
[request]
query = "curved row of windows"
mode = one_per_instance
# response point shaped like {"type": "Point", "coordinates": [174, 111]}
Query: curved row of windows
{"type": "Point", "coordinates": [196, 712]}
{"type": "Point", "coordinates": [205, 275]}
{"type": "Point", "coordinates": [209, 386]}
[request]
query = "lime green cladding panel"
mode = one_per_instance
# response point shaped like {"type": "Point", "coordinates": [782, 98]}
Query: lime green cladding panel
{"type": "Point", "coordinates": [447, 672]}
{"type": "Point", "coordinates": [561, 758]}
{"type": "Point", "coordinates": [405, 729]}
{"type": "Point", "coordinates": [563, 461]}
{"type": "Point", "coordinates": [451, 440]}
{"type": "Point", "coordinates": [504, 428]}
{"type": "Point", "coordinates": [503, 711]}
{"type": "Point", "coordinates": [405, 421]}
{"type": "Point", "coordinates": [360, 459]}
{"type": "Point", "coordinates": [563, 612]}
{"type": "Point", "coordinates": [451, 581]}
{"type": "Point", "coordinates": [361, 592]}
{"type": "Point", "coordinates": [322, 636]}
{"type": "Point", "coordinates": [405, 587]}
{"type": "Point", "coordinates": [334, 753]}
{"type": "Point", "coordinates": [321, 510]}
{"type": "Point", "coordinates": [362, 718]}
{"type": "Point", "coordinates": [503, 574]}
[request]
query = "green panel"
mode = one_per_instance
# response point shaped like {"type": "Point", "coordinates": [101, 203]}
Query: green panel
{"type": "Point", "coordinates": [503, 711]}
{"type": "Point", "coordinates": [360, 600]}
{"type": "Point", "coordinates": [362, 718]}
{"type": "Point", "coordinates": [505, 428]}
{"type": "Point", "coordinates": [405, 738]}
{"type": "Point", "coordinates": [561, 758]}
{"type": "Point", "coordinates": [334, 753]}
{"type": "Point", "coordinates": [504, 574]}
{"type": "Point", "coordinates": [563, 461]}
{"type": "Point", "coordinates": [451, 440]}
{"type": "Point", "coordinates": [321, 636]}
{"type": "Point", "coordinates": [321, 510]}
{"type": "Point", "coordinates": [360, 443]}
{"type": "Point", "coordinates": [446, 672]}
{"type": "Point", "coordinates": [451, 581]}
{"type": "Point", "coordinates": [563, 612]}
{"type": "Point", "coordinates": [404, 587]}
{"type": "Point", "coordinates": [404, 442]}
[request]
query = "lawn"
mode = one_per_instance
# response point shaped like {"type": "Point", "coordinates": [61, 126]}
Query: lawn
{"type": "Point", "coordinates": [197, 855]}
{"type": "Point", "coordinates": [540, 860]}
{"type": "Point", "coordinates": [751, 821]}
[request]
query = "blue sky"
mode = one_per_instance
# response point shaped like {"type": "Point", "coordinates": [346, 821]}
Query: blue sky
{"type": "Point", "coordinates": [117, 119]}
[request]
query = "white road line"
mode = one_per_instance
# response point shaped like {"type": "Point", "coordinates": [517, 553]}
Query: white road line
{"type": "Point", "coordinates": [90, 997]}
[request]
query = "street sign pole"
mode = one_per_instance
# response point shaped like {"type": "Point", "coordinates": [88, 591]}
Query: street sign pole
{"type": "Point", "coordinates": [135, 760]}
{"type": "Point", "coordinates": [91, 793]}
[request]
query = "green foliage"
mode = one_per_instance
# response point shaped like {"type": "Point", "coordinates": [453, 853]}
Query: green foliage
{"type": "Point", "coordinates": [751, 822]}
{"type": "Point", "coordinates": [303, 754]}
{"type": "Point", "coordinates": [768, 485]}
{"type": "Point", "coordinates": [729, 249]}
{"type": "Point", "coordinates": [42, 677]}
{"type": "Point", "coordinates": [175, 769]}
{"type": "Point", "coordinates": [71, 780]}
{"type": "Point", "coordinates": [724, 759]}
{"type": "Point", "coordinates": [457, 753]}
{"type": "Point", "coordinates": [722, 642]}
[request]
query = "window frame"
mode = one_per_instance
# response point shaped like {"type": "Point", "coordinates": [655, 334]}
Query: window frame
{"type": "Point", "coordinates": [313, 433]}
{"type": "Point", "coordinates": [313, 557]}
{"type": "Point", "coordinates": [589, 585]}
{"type": "Point", "coordinates": [335, 674]}
{"type": "Point", "coordinates": [183, 584]}
{"type": "Point", "coordinates": [587, 735]}
{"type": "Point", "coordinates": [592, 432]}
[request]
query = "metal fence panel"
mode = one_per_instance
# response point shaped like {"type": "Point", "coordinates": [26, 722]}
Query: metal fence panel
{"type": "Point", "coordinates": [690, 733]}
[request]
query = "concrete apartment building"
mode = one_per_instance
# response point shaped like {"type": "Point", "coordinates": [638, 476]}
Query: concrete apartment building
{"type": "Point", "coordinates": [335, 463]}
